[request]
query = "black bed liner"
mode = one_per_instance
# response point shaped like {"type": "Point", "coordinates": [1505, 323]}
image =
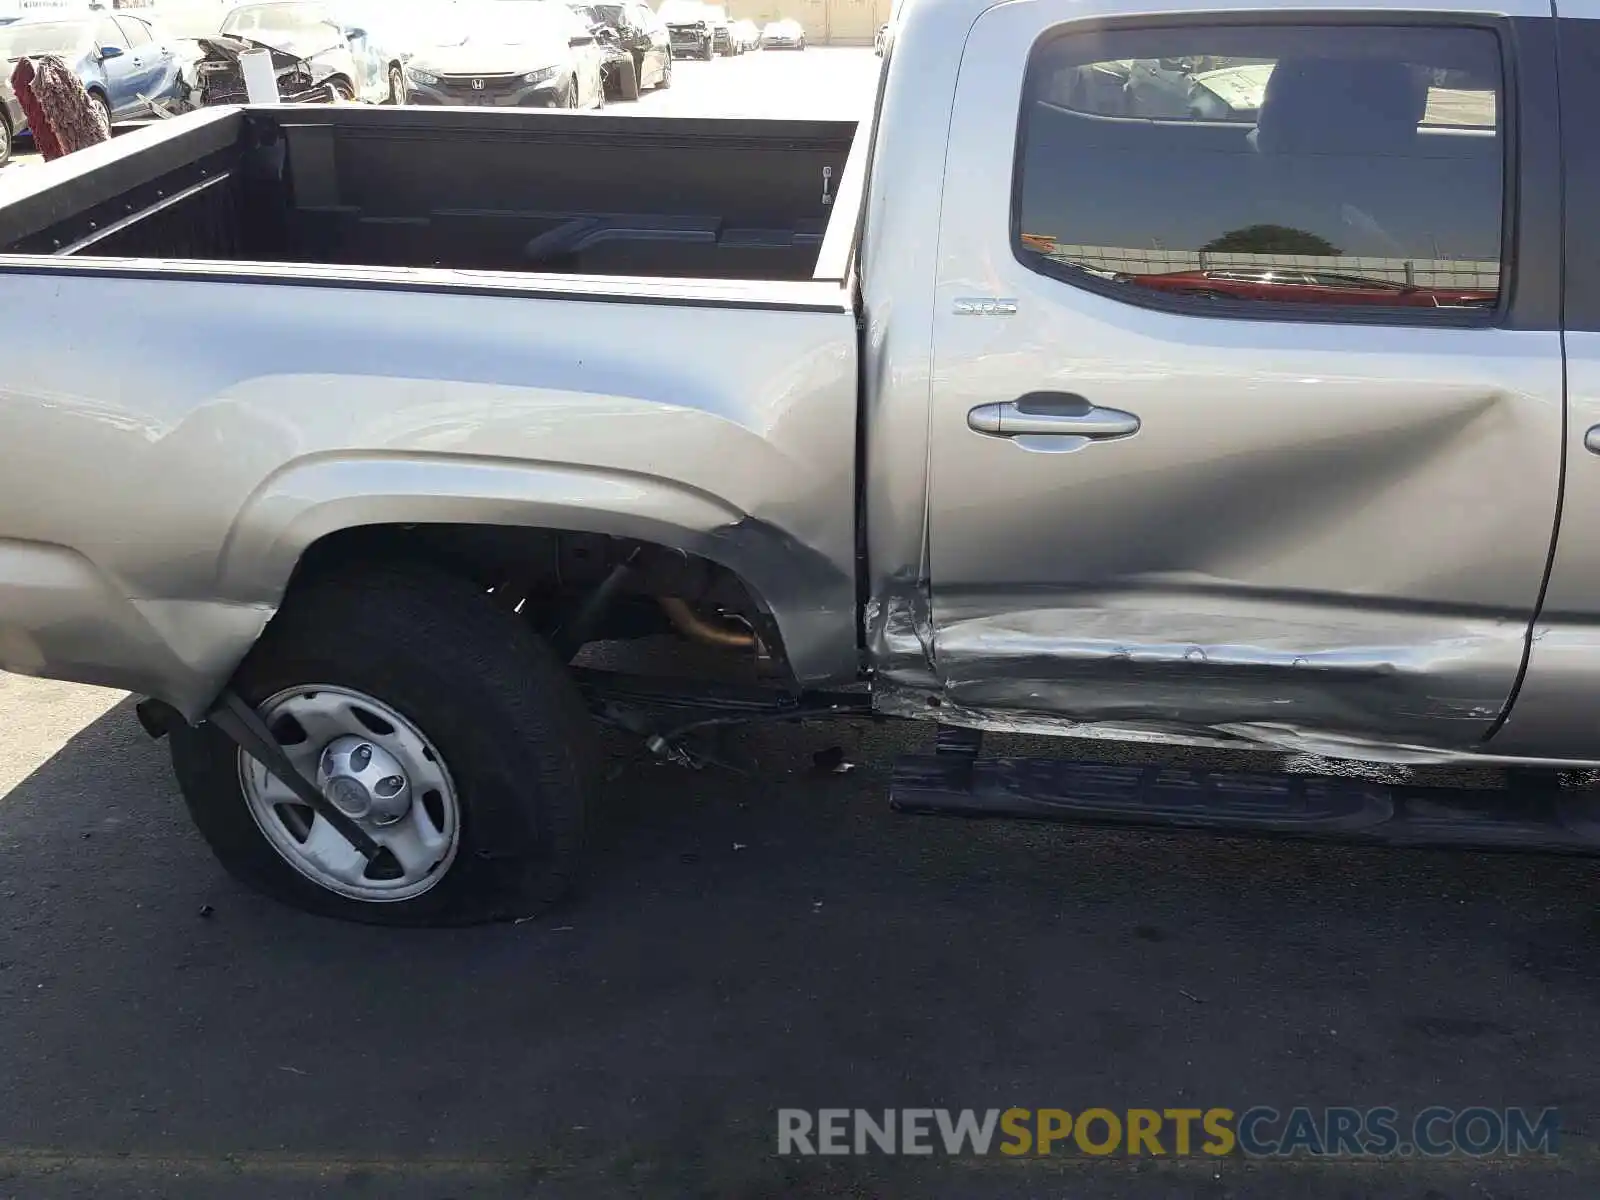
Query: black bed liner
{"type": "Point", "coordinates": [508, 190]}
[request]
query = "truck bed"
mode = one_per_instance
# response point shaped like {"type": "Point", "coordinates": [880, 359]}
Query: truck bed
{"type": "Point", "coordinates": [467, 189]}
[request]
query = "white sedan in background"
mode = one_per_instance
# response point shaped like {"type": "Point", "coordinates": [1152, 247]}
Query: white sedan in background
{"type": "Point", "coordinates": [783, 35]}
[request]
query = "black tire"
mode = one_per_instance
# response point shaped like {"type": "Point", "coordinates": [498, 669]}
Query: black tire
{"type": "Point", "coordinates": [666, 73]}
{"type": "Point", "coordinates": [398, 91]}
{"type": "Point", "coordinates": [627, 81]}
{"type": "Point", "coordinates": [6, 140]}
{"type": "Point", "coordinates": [102, 107]}
{"type": "Point", "coordinates": [569, 94]}
{"type": "Point", "coordinates": [488, 693]}
{"type": "Point", "coordinates": [344, 89]}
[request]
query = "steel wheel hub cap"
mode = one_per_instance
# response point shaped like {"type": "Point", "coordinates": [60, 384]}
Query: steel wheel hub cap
{"type": "Point", "coordinates": [364, 780]}
{"type": "Point", "coordinates": [377, 768]}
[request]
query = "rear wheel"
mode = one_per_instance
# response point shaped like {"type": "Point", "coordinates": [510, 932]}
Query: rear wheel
{"type": "Point", "coordinates": [433, 719]}
{"type": "Point", "coordinates": [397, 85]}
{"type": "Point", "coordinates": [5, 140]}
{"type": "Point", "coordinates": [666, 72]}
{"type": "Point", "coordinates": [569, 94]}
{"type": "Point", "coordinates": [344, 91]}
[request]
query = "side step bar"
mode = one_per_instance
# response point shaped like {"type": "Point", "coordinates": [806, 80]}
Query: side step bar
{"type": "Point", "coordinates": [1299, 806]}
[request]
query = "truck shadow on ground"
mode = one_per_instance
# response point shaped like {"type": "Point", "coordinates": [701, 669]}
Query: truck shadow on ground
{"type": "Point", "coordinates": [748, 944]}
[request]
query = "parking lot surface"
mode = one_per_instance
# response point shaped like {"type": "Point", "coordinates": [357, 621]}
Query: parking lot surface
{"type": "Point", "coordinates": [825, 83]}
{"type": "Point", "coordinates": [749, 944]}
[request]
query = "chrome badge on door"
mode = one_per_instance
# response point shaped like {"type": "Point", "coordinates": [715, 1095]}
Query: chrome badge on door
{"type": "Point", "coordinates": [985, 306]}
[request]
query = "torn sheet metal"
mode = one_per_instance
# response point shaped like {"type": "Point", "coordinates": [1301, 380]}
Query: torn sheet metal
{"type": "Point", "coordinates": [931, 704]}
{"type": "Point", "coordinates": [898, 633]}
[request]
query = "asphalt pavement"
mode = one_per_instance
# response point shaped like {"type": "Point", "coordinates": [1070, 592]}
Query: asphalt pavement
{"type": "Point", "coordinates": [747, 944]}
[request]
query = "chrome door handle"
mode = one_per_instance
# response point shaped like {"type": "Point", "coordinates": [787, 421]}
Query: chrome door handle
{"type": "Point", "coordinates": [1059, 413]}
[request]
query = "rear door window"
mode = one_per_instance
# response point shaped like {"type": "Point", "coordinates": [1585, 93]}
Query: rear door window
{"type": "Point", "coordinates": [135, 30]}
{"type": "Point", "coordinates": [1347, 168]}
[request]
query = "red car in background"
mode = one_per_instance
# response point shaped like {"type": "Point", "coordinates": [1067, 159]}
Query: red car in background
{"type": "Point", "coordinates": [1289, 286]}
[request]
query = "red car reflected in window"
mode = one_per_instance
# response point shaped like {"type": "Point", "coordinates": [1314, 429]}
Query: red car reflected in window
{"type": "Point", "coordinates": [1310, 287]}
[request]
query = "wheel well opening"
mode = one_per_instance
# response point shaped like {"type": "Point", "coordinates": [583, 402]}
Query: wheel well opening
{"type": "Point", "coordinates": [549, 576]}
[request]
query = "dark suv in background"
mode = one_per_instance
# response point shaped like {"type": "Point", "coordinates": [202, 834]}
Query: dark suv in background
{"type": "Point", "coordinates": [721, 30]}
{"type": "Point", "coordinates": [689, 25]}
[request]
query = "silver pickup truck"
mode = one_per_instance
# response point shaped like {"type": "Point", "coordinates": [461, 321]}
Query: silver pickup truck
{"type": "Point", "coordinates": [1223, 378]}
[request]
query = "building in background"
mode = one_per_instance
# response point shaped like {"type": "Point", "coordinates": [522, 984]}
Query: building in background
{"type": "Point", "coordinates": [826, 22]}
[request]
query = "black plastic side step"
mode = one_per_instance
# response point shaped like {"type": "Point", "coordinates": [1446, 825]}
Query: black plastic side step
{"type": "Point", "coordinates": [1300, 806]}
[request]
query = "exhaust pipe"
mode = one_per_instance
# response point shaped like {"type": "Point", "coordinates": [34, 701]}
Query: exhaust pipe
{"type": "Point", "coordinates": [692, 625]}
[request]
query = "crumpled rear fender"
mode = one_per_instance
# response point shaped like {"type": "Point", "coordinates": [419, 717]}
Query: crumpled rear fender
{"type": "Point", "coordinates": [809, 596]}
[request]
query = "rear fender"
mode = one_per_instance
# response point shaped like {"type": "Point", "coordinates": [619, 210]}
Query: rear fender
{"type": "Point", "coordinates": [810, 598]}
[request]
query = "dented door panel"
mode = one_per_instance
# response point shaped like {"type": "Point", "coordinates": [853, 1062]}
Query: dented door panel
{"type": "Point", "coordinates": [1354, 546]}
{"type": "Point", "coordinates": [1316, 530]}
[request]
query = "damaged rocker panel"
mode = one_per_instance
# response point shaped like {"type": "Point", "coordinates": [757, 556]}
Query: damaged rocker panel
{"type": "Point", "coordinates": [1329, 679]}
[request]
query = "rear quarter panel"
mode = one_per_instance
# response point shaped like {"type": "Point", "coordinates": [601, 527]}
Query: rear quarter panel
{"type": "Point", "coordinates": [176, 439]}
